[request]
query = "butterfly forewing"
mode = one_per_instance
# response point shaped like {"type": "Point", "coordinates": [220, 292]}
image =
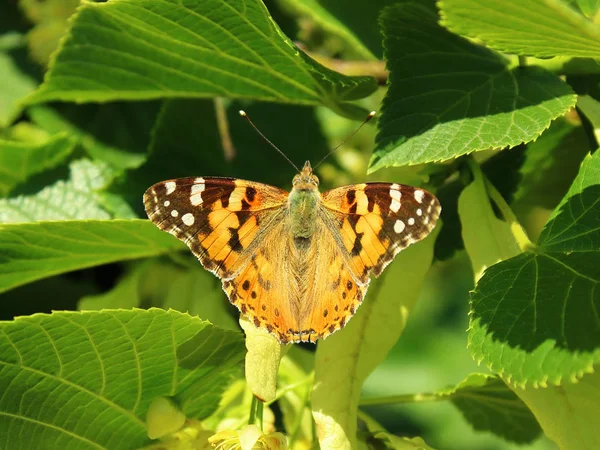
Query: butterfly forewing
{"type": "Point", "coordinates": [377, 220]}
{"type": "Point", "coordinates": [217, 218]}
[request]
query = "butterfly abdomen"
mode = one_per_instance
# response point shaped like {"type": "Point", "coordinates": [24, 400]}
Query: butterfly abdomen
{"type": "Point", "coordinates": [303, 207]}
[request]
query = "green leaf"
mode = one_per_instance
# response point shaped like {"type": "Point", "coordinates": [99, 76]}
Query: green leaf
{"type": "Point", "coordinates": [31, 251]}
{"type": "Point", "coordinates": [190, 48]}
{"type": "Point", "coordinates": [353, 22]}
{"type": "Point", "coordinates": [543, 28]}
{"type": "Point", "coordinates": [569, 413]}
{"type": "Point", "coordinates": [489, 405]}
{"type": "Point", "coordinates": [503, 171]}
{"type": "Point", "coordinates": [590, 107]}
{"type": "Point", "coordinates": [15, 83]}
{"type": "Point", "coordinates": [394, 442]}
{"type": "Point", "coordinates": [107, 366]}
{"type": "Point", "coordinates": [534, 317]}
{"type": "Point", "coordinates": [551, 165]}
{"type": "Point", "coordinates": [575, 224]}
{"type": "Point", "coordinates": [127, 293]}
{"type": "Point", "coordinates": [488, 240]}
{"type": "Point", "coordinates": [295, 385]}
{"type": "Point", "coordinates": [589, 7]}
{"type": "Point", "coordinates": [50, 19]}
{"type": "Point", "coordinates": [116, 133]}
{"type": "Point", "coordinates": [345, 359]}
{"type": "Point", "coordinates": [196, 291]}
{"type": "Point", "coordinates": [73, 199]}
{"type": "Point", "coordinates": [156, 283]}
{"type": "Point", "coordinates": [20, 160]}
{"type": "Point", "coordinates": [449, 97]}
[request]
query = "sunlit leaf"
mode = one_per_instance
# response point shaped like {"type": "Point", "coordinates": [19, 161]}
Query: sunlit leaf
{"type": "Point", "coordinates": [449, 97]}
{"type": "Point", "coordinates": [15, 83]}
{"type": "Point", "coordinates": [568, 413]}
{"type": "Point", "coordinates": [20, 160]}
{"type": "Point", "coordinates": [353, 22]}
{"type": "Point", "coordinates": [108, 366]}
{"type": "Point", "coordinates": [75, 198]}
{"type": "Point", "coordinates": [31, 251]}
{"type": "Point", "coordinates": [534, 317]}
{"type": "Point", "coordinates": [535, 28]}
{"type": "Point", "coordinates": [345, 359]}
{"type": "Point", "coordinates": [191, 48]}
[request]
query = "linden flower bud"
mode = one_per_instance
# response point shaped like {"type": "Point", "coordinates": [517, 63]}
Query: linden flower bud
{"type": "Point", "coordinates": [248, 438]}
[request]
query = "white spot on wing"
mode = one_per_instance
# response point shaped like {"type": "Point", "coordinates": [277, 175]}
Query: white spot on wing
{"type": "Point", "coordinates": [174, 213]}
{"type": "Point", "coordinates": [395, 194]}
{"type": "Point", "coordinates": [166, 203]}
{"type": "Point", "coordinates": [399, 226]}
{"type": "Point", "coordinates": [419, 194]}
{"type": "Point", "coordinates": [395, 205]}
{"type": "Point", "coordinates": [170, 186]}
{"type": "Point", "coordinates": [411, 221]}
{"type": "Point", "coordinates": [419, 212]}
{"type": "Point", "coordinates": [196, 191]}
{"type": "Point", "coordinates": [188, 219]}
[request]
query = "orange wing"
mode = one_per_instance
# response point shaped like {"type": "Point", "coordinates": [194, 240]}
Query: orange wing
{"type": "Point", "coordinates": [378, 220]}
{"type": "Point", "coordinates": [367, 224]}
{"type": "Point", "coordinates": [297, 292]}
{"type": "Point", "coordinates": [219, 219]}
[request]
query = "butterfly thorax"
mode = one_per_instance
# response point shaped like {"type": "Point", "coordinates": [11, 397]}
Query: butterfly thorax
{"type": "Point", "coordinates": [303, 203]}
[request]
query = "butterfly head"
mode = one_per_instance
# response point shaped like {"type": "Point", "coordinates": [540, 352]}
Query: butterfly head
{"type": "Point", "coordinates": [305, 179]}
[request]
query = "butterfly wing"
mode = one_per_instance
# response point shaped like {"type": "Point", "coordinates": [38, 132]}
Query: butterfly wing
{"type": "Point", "coordinates": [378, 220]}
{"type": "Point", "coordinates": [220, 219]}
{"type": "Point", "coordinates": [237, 229]}
{"type": "Point", "coordinates": [307, 293]}
{"type": "Point", "coordinates": [265, 289]}
{"type": "Point", "coordinates": [333, 291]}
{"type": "Point", "coordinates": [362, 228]}
{"type": "Point", "coordinates": [297, 292]}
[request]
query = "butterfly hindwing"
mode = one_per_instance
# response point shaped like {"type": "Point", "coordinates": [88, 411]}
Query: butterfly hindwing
{"type": "Point", "coordinates": [297, 293]}
{"type": "Point", "coordinates": [217, 218]}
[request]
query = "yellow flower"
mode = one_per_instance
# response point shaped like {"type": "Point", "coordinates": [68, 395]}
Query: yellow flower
{"type": "Point", "coordinates": [248, 438]}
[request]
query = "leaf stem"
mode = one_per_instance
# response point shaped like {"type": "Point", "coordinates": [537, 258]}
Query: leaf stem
{"type": "Point", "coordinates": [404, 398]}
{"type": "Point", "coordinates": [522, 61]}
{"type": "Point", "coordinates": [253, 408]}
{"type": "Point", "coordinates": [373, 68]}
{"type": "Point", "coordinates": [223, 127]}
{"type": "Point", "coordinates": [259, 412]}
{"type": "Point", "coordinates": [256, 412]}
{"type": "Point", "coordinates": [295, 429]}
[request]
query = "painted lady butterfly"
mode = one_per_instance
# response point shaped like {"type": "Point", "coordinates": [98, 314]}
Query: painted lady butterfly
{"type": "Point", "coordinates": [297, 264]}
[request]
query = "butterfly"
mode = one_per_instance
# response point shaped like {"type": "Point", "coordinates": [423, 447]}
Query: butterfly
{"type": "Point", "coordinates": [297, 264]}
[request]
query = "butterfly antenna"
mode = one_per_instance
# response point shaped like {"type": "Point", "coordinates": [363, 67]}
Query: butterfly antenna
{"type": "Point", "coordinates": [245, 116]}
{"type": "Point", "coordinates": [369, 117]}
